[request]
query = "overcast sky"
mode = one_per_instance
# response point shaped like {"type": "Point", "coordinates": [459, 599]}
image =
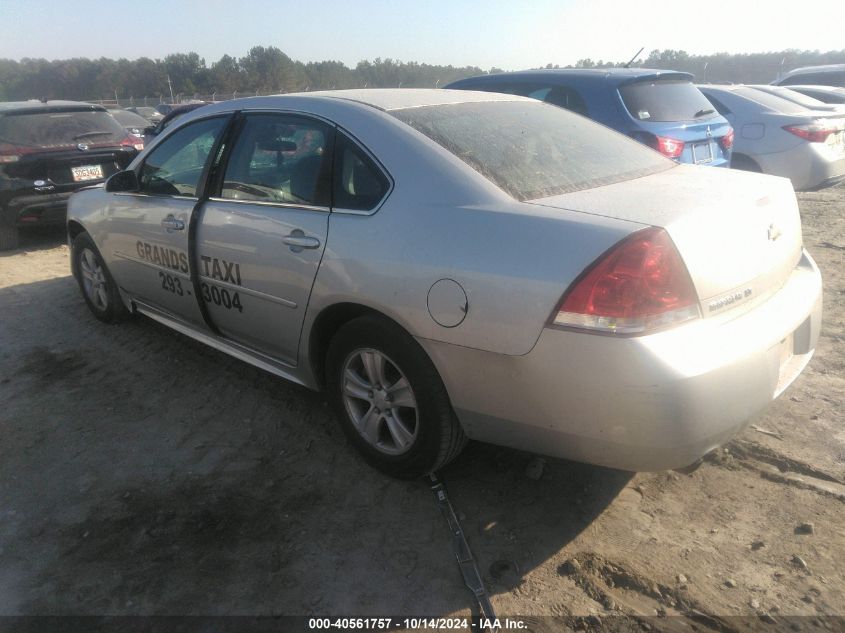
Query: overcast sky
{"type": "Point", "coordinates": [509, 34]}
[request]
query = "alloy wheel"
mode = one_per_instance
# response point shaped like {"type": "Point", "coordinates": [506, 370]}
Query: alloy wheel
{"type": "Point", "coordinates": [380, 401]}
{"type": "Point", "coordinates": [94, 279]}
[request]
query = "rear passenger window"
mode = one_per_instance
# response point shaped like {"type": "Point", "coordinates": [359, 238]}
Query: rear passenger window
{"type": "Point", "coordinates": [539, 94]}
{"type": "Point", "coordinates": [279, 158]}
{"type": "Point", "coordinates": [566, 98]}
{"type": "Point", "coordinates": [561, 96]}
{"type": "Point", "coordinates": [359, 184]}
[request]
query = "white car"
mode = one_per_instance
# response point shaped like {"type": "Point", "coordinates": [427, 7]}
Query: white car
{"type": "Point", "coordinates": [827, 75]}
{"type": "Point", "coordinates": [783, 137]}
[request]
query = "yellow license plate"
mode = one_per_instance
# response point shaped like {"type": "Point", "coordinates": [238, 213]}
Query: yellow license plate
{"type": "Point", "coordinates": [87, 172]}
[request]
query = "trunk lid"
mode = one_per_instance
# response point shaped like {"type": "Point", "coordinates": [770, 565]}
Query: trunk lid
{"type": "Point", "coordinates": [739, 233]}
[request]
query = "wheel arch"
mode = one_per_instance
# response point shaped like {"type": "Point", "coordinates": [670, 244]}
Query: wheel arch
{"type": "Point", "coordinates": [74, 230]}
{"type": "Point", "coordinates": [325, 326]}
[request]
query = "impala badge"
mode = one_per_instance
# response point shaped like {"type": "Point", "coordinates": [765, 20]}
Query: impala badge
{"type": "Point", "coordinates": [774, 232]}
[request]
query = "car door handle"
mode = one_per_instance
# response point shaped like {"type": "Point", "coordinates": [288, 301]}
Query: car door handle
{"type": "Point", "coordinates": [297, 240]}
{"type": "Point", "coordinates": [172, 224]}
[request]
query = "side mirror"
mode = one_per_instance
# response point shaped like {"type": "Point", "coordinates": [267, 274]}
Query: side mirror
{"type": "Point", "coordinates": [123, 181]}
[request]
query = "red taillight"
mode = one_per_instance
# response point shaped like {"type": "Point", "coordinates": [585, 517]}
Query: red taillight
{"type": "Point", "coordinates": [640, 284]}
{"type": "Point", "coordinates": [813, 133]}
{"type": "Point", "coordinates": [727, 141]}
{"type": "Point", "coordinates": [668, 146]}
{"type": "Point", "coordinates": [9, 153]}
{"type": "Point", "coordinates": [133, 141]}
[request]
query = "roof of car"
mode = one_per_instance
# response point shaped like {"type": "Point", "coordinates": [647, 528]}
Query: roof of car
{"type": "Point", "coordinates": [401, 98]}
{"type": "Point", "coordinates": [814, 69]}
{"type": "Point", "coordinates": [725, 87]}
{"type": "Point", "coordinates": [35, 104]}
{"type": "Point", "coordinates": [800, 87]}
{"type": "Point", "coordinates": [385, 99]}
{"type": "Point", "coordinates": [614, 76]}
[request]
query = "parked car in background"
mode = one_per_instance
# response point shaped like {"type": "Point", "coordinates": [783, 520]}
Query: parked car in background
{"type": "Point", "coordinates": [174, 113]}
{"type": "Point", "coordinates": [148, 112]}
{"type": "Point", "coordinates": [828, 75]}
{"type": "Point", "coordinates": [48, 150]}
{"type": "Point", "coordinates": [810, 103]}
{"type": "Point", "coordinates": [826, 94]}
{"type": "Point", "coordinates": [780, 137]}
{"type": "Point", "coordinates": [164, 109]}
{"type": "Point", "coordinates": [662, 109]}
{"type": "Point", "coordinates": [133, 123]}
{"type": "Point", "coordinates": [452, 264]}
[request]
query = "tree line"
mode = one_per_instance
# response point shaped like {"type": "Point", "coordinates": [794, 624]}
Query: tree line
{"type": "Point", "coordinates": [269, 70]}
{"type": "Point", "coordinates": [262, 70]}
{"type": "Point", "coordinates": [746, 68]}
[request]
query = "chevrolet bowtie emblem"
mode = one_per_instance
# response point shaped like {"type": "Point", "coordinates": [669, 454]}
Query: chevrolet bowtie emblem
{"type": "Point", "coordinates": [774, 231]}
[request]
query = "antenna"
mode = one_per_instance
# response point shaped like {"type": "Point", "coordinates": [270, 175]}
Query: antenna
{"type": "Point", "coordinates": [628, 65]}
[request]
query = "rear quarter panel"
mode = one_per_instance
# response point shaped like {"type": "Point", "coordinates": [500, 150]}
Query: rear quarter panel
{"type": "Point", "coordinates": [445, 221]}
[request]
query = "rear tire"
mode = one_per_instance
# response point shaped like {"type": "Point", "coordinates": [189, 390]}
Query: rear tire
{"type": "Point", "coordinates": [390, 400]}
{"type": "Point", "coordinates": [743, 162]}
{"type": "Point", "coordinates": [9, 235]}
{"type": "Point", "coordinates": [96, 283]}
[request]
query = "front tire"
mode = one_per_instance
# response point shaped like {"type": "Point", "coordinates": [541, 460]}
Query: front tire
{"type": "Point", "coordinates": [390, 400]}
{"type": "Point", "coordinates": [96, 283]}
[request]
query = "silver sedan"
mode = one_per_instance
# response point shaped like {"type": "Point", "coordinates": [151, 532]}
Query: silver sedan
{"type": "Point", "coordinates": [783, 133]}
{"type": "Point", "coordinates": [452, 264]}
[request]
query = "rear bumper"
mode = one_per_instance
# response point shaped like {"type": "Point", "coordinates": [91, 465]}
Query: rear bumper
{"type": "Point", "coordinates": [809, 166]}
{"type": "Point", "coordinates": [645, 403]}
{"type": "Point", "coordinates": [36, 209]}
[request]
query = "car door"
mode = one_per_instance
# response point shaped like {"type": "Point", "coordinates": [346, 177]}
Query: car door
{"type": "Point", "coordinates": [261, 235]}
{"type": "Point", "coordinates": [149, 228]}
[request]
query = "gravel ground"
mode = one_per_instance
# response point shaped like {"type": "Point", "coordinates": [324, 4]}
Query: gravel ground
{"type": "Point", "coordinates": [141, 473]}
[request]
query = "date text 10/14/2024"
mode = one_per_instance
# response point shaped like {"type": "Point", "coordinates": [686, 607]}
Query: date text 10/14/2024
{"type": "Point", "coordinates": [416, 624]}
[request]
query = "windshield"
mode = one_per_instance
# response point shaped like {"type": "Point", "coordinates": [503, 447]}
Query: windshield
{"type": "Point", "coordinates": [61, 128]}
{"type": "Point", "coordinates": [666, 100]}
{"type": "Point", "coordinates": [531, 149]}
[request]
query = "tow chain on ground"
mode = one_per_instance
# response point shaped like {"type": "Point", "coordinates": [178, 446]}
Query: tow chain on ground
{"type": "Point", "coordinates": [463, 554]}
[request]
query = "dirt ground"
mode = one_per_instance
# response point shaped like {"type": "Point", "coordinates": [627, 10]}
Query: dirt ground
{"type": "Point", "coordinates": [142, 473]}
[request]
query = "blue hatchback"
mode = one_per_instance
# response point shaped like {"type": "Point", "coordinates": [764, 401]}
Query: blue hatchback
{"type": "Point", "coordinates": [660, 108]}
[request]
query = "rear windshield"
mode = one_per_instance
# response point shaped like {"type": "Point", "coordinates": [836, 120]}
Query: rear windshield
{"type": "Point", "coordinates": [55, 129]}
{"type": "Point", "coordinates": [770, 101]}
{"type": "Point", "coordinates": [129, 119]}
{"type": "Point", "coordinates": [666, 100]}
{"type": "Point", "coordinates": [823, 78]}
{"type": "Point", "coordinates": [807, 101]}
{"type": "Point", "coordinates": [531, 149]}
